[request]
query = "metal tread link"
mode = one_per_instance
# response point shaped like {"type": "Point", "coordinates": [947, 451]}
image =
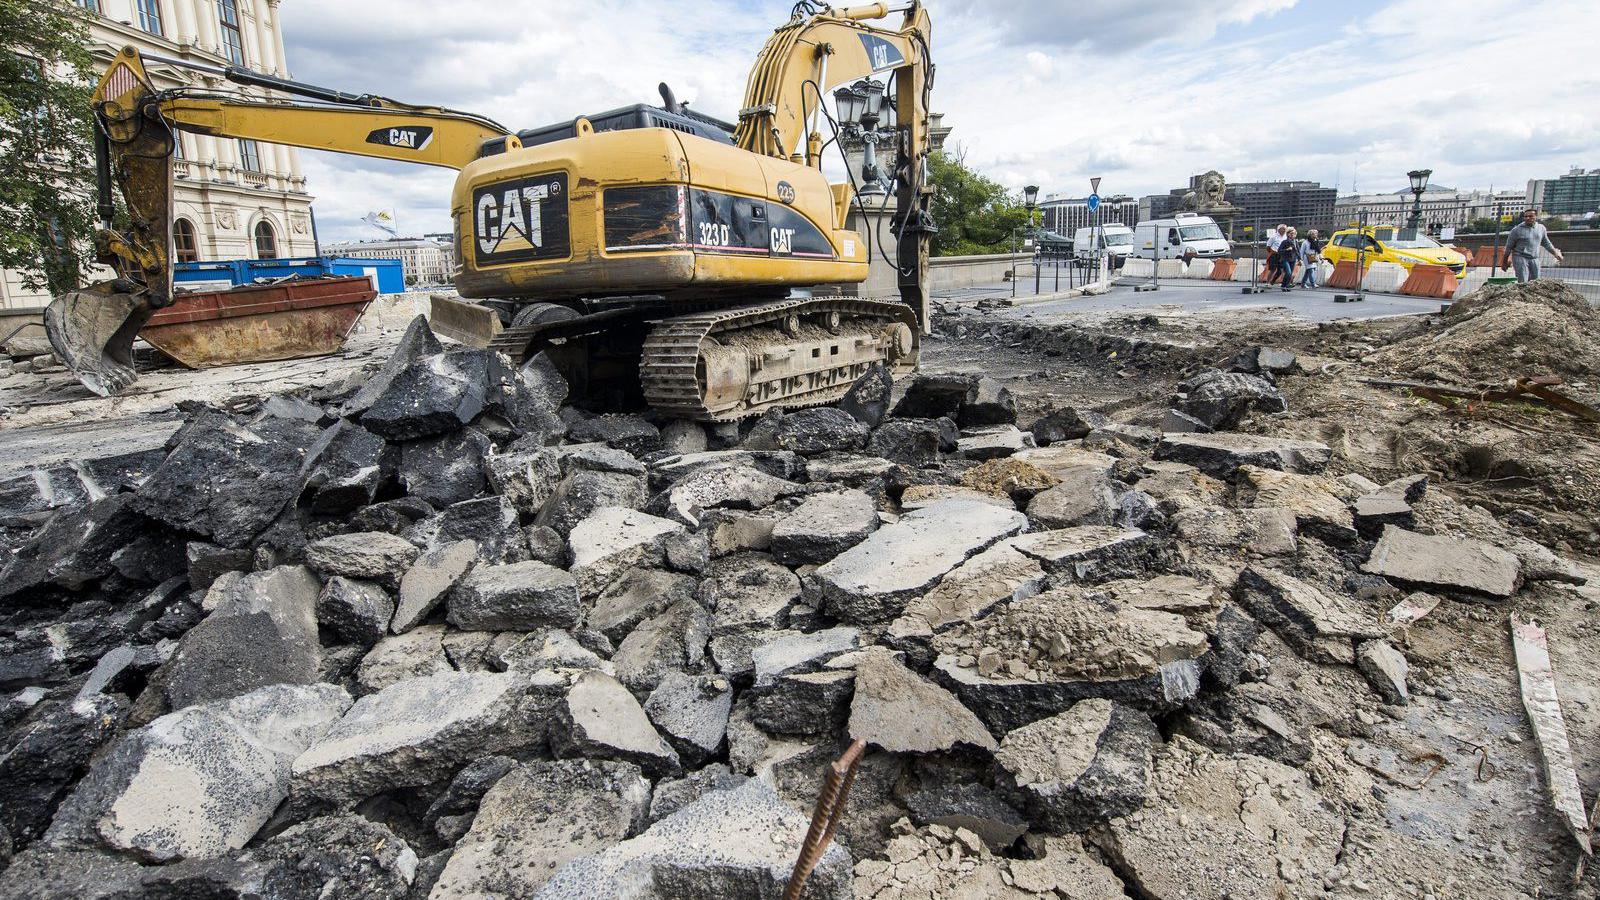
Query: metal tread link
{"type": "Point", "coordinates": [674, 387]}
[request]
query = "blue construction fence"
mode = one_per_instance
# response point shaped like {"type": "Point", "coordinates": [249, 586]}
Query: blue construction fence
{"type": "Point", "coordinates": [389, 274]}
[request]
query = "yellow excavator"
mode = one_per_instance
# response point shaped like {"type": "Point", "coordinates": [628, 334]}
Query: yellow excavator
{"type": "Point", "coordinates": [651, 245]}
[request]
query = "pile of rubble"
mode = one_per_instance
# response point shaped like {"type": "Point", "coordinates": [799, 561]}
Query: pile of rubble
{"type": "Point", "coordinates": [432, 633]}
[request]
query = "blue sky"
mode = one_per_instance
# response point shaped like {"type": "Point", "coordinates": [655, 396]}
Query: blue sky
{"type": "Point", "coordinates": [1050, 92]}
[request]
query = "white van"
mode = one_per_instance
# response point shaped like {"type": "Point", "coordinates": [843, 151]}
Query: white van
{"type": "Point", "coordinates": [1114, 240]}
{"type": "Point", "coordinates": [1183, 236]}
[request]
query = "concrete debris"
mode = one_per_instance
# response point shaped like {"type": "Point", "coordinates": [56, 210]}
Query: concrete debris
{"type": "Point", "coordinates": [583, 807]}
{"type": "Point", "coordinates": [357, 611]}
{"type": "Point", "coordinates": [896, 710]}
{"type": "Point", "coordinates": [824, 526]}
{"type": "Point", "coordinates": [1322, 626]}
{"type": "Point", "coordinates": [1087, 765]}
{"type": "Point", "coordinates": [370, 555]}
{"type": "Point", "coordinates": [611, 655]}
{"type": "Point", "coordinates": [1066, 424]}
{"type": "Point", "coordinates": [870, 582]}
{"type": "Point", "coordinates": [732, 843]}
{"type": "Point", "coordinates": [1435, 562]}
{"type": "Point", "coordinates": [198, 782]}
{"type": "Point", "coordinates": [1215, 825]}
{"type": "Point", "coordinates": [613, 540]}
{"type": "Point", "coordinates": [415, 732]}
{"type": "Point", "coordinates": [1221, 400]}
{"type": "Point", "coordinates": [599, 719]}
{"type": "Point", "coordinates": [518, 597]}
{"type": "Point", "coordinates": [993, 442]}
{"type": "Point", "coordinates": [1386, 670]}
{"type": "Point", "coordinates": [1220, 455]}
{"type": "Point", "coordinates": [426, 583]}
{"type": "Point", "coordinates": [394, 659]}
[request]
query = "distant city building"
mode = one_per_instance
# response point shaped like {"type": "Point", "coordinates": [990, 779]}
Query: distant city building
{"type": "Point", "coordinates": [425, 262]}
{"type": "Point", "coordinates": [1441, 209]}
{"type": "Point", "coordinates": [1573, 194]}
{"type": "Point", "coordinates": [1303, 204]}
{"type": "Point", "coordinates": [447, 241]}
{"type": "Point", "coordinates": [1065, 215]}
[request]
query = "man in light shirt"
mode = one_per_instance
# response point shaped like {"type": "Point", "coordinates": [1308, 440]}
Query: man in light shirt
{"type": "Point", "coordinates": [1275, 239]}
{"type": "Point", "coordinates": [1523, 244]}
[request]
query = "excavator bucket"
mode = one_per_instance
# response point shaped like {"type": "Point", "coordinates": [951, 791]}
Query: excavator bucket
{"type": "Point", "coordinates": [92, 330]}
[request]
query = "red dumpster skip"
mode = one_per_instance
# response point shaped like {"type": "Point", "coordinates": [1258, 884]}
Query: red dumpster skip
{"type": "Point", "coordinates": [258, 323]}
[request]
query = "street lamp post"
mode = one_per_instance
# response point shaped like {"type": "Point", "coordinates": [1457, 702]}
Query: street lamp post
{"type": "Point", "coordinates": [1030, 198]}
{"type": "Point", "coordinates": [861, 109]}
{"type": "Point", "coordinates": [1419, 185]}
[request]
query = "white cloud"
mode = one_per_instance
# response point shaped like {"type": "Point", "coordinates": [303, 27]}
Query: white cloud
{"type": "Point", "coordinates": [1048, 92]}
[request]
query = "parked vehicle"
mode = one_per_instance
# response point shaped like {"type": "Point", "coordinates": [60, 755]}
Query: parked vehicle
{"type": "Point", "coordinates": [1392, 244]}
{"type": "Point", "coordinates": [1184, 236]}
{"type": "Point", "coordinates": [1114, 240]}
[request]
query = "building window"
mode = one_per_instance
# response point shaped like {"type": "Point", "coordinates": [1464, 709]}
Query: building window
{"type": "Point", "coordinates": [249, 155]}
{"type": "Point", "coordinates": [150, 16]}
{"type": "Point", "coordinates": [184, 247]}
{"type": "Point", "coordinates": [232, 38]}
{"type": "Point", "coordinates": [91, 5]}
{"type": "Point", "coordinates": [266, 241]}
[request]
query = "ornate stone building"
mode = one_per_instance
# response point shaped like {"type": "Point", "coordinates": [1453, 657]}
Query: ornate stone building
{"type": "Point", "coordinates": [232, 199]}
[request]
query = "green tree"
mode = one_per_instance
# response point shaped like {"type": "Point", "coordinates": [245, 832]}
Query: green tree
{"type": "Point", "coordinates": [1556, 223]}
{"type": "Point", "coordinates": [975, 214]}
{"type": "Point", "coordinates": [46, 143]}
{"type": "Point", "coordinates": [1483, 225]}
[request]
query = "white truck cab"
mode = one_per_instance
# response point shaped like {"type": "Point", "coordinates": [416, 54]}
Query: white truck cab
{"type": "Point", "coordinates": [1184, 236]}
{"type": "Point", "coordinates": [1114, 240]}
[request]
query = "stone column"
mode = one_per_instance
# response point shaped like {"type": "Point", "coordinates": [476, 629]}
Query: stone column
{"type": "Point", "coordinates": [208, 29]}
{"type": "Point", "coordinates": [255, 43]}
{"type": "Point", "coordinates": [184, 11]}
{"type": "Point", "coordinates": [275, 28]}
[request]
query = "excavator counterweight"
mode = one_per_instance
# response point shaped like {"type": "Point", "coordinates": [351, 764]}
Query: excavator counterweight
{"type": "Point", "coordinates": [648, 244]}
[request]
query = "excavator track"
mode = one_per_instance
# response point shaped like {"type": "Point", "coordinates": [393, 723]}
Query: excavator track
{"type": "Point", "coordinates": [729, 364]}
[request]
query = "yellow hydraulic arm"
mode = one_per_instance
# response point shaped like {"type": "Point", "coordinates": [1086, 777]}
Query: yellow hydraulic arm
{"type": "Point", "coordinates": [822, 47]}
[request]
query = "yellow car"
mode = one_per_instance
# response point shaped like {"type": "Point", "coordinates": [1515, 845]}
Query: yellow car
{"type": "Point", "coordinates": [1392, 244]}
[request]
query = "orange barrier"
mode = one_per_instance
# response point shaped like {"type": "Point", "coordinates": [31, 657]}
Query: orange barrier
{"type": "Point", "coordinates": [1345, 275]}
{"type": "Point", "coordinates": [1485, 256]}
{"type": "Point", "coordinates": [1223, 269]}
{"type": "Point", "coordinates": [1430, 281]}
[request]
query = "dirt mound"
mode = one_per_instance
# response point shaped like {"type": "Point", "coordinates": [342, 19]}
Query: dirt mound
{"type": "Point", "coordinates": [1502, 332]}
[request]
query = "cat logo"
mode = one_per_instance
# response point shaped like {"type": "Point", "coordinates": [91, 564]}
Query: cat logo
{"type": "Point", "coordinates": [406, 137]}
{"type": "Point", "coordinates": [786, 193]}
{"type": "Point", "coordinates": [881, 54]}
{"type": "Point", "coordinates": [522, 220]}
{"type": "Point", "coordinates": [783, 240]}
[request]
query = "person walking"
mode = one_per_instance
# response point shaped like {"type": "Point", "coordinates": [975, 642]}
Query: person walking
{"type": "Point", "coordinates": [1275, 239]}
{"type": "Point", "coordinates": [1311, 255]}
{"type": "Point", "coordinates": [1523, 244]}
{"type": "Point", "coordinates": [1288, 256]}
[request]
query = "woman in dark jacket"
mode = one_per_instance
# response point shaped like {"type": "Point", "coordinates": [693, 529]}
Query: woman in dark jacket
{"type": "Point", "coordinates": [1288, 257]}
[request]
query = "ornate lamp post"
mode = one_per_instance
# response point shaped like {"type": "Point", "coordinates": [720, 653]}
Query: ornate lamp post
{"type": "Point", "coordinates": [865, 114]}
{"type": "Point", "coordinates": [1419, 185]}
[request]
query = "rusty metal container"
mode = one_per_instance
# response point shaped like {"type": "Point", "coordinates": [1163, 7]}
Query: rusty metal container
{"type": "Point", "coordinates": [258, 323]}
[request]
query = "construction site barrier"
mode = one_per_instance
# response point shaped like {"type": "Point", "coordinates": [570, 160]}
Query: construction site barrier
{"type": "Point", "coordinates": [1198, 268]}
{"type": "Point", "coordinates": [1345, 276]}
{"type": "Point", "coordinates": [1242, 271]}
{"type": "Point", "coordinates": [1223, 269]}
{"type": "Point", "coordinates": [1430, 281]}
{"type": "Point", "coordinates": [1384, 277]}
{"type": "Point", "coordinates": [1134, 267]}
{"type": "Point", "coordinates": [1486, 257]}
{"type": "Point", "coordinates": [1170, 268]}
